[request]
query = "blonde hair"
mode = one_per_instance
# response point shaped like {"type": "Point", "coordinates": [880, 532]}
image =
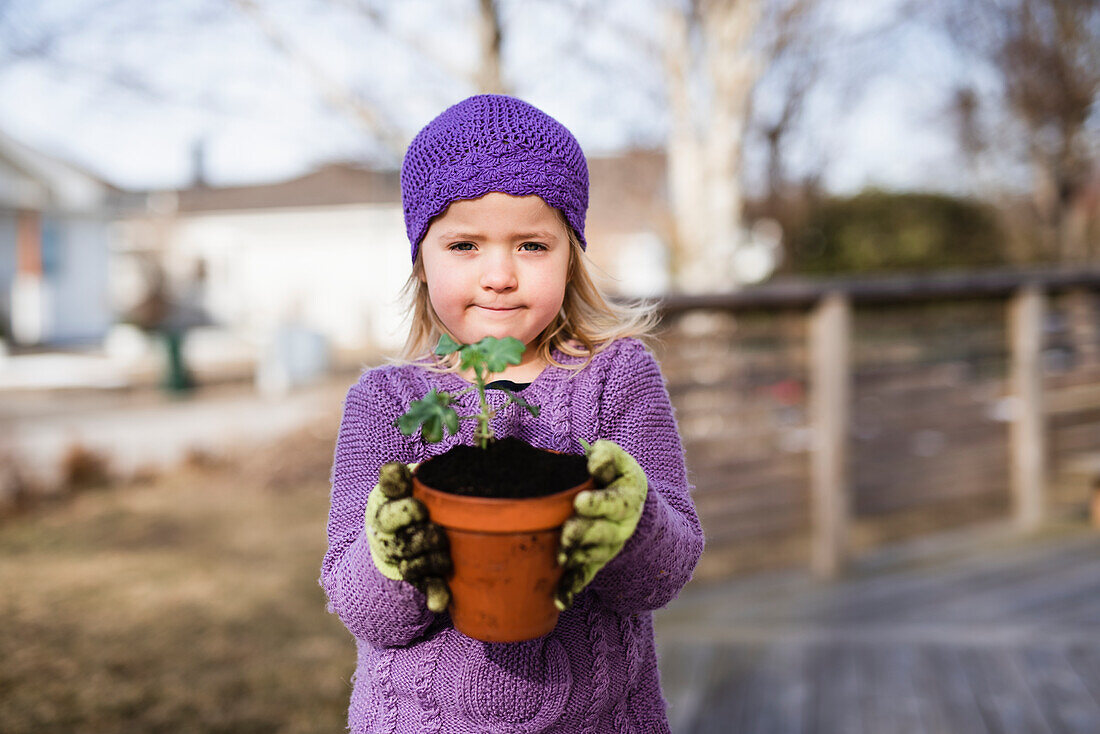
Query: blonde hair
{"type": "Point", "coordinates": [586, 324]}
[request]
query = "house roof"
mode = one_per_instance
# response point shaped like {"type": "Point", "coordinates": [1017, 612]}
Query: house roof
{"type": "Point", "coordinates": [623, 189]}
{"type": "Point", "coordinates": [30, 179]}
{"type": "Point", "coordinates": [331, 185]}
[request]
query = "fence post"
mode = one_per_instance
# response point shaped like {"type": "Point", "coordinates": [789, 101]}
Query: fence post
{"type": "Point", "coordinates": [830, 333]}
{"type": "Point", "coordinates": [1027, 444]}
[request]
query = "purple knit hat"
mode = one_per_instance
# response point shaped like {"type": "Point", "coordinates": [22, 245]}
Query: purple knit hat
{"type": "Point", "coordinates": [492, 142]}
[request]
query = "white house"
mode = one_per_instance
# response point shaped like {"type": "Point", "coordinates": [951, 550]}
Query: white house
{"type": "Point", "coordinates": [325, 251]}
{"type": "Point", "coordinates": [329, 250]}
{"type": "Point", "coordinates": [53, 249]}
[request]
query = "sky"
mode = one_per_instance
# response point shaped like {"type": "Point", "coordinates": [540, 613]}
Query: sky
{"type": "Point", "coordinates": [216, 77]}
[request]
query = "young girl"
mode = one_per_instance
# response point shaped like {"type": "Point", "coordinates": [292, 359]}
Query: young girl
{"type": "Point", "coordinates": [495, 193]}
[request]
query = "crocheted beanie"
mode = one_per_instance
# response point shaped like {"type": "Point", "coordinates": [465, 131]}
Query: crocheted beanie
{"type": "Point", "coordinates": [486, 143]}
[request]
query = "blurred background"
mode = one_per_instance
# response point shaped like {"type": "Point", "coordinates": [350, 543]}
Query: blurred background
{"type": "Point", "coordinates": [872, 228]}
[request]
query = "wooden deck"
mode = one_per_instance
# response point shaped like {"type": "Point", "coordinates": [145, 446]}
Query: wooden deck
{"type": "Point", "coordinates": [973, 632]}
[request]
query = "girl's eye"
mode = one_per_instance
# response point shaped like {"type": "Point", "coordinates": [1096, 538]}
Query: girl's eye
{"type": "Point", "coordinates": [533, 246]}
{"type": "Point", "coordinates": [462, 246]}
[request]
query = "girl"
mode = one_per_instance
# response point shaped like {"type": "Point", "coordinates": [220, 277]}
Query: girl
{"type": "Point", "coordinates": [495, 193]}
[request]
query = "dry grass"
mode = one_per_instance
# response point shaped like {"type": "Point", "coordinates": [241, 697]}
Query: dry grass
{"type": "Point", "coordinates": [82, 467]}
{"type": "Point", "coordinates": [185, 603]}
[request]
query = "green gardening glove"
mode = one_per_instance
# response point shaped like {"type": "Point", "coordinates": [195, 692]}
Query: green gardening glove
{"type": "Point", "coordinates": [603, 518]}
{"type": "Point", "coordinates": [404, 544]}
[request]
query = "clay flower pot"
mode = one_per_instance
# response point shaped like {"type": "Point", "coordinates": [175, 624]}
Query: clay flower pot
{"type": "Point", "coordinates": [505, 560]}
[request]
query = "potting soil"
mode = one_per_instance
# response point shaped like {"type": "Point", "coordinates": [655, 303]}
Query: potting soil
{"type": "Point", "coordinates": [509, 468]}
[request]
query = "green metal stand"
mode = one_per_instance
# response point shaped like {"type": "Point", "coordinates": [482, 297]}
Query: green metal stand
{"type": "Point", "coordinates": [176, 377]}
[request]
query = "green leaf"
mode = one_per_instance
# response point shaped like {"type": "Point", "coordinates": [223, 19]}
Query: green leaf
{"type": "Point", "coordinates": [431, 415]}
{"type": "Point", "coordinates": [585, 445]}
{"type": "Point", "coordinates": [407, 423]}
{"type": "Point", "coordinates": [499, 353]}
{"type": "Point", "coordinates": [450, 421]}
{"type": "Point", "coordinates": [471, 357]}
{"type": "Point", "coordinates": [446, 346]}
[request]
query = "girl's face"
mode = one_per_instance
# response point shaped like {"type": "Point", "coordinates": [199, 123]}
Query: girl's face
{"type": "Point", "coordinates": [496, 266]}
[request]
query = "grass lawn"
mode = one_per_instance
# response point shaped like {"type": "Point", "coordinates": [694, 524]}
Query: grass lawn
{"type": "Point", "coordinates": [187, 602]}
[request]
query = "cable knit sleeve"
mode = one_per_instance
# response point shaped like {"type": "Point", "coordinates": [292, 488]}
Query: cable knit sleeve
{"type": "Point", "coordinates": [376, 609]}
{"type": "Point", "coordinates": [658, 559]}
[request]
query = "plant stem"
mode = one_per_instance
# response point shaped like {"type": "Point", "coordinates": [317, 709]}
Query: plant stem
{"type": "Point", "coordinates": [483, 436]}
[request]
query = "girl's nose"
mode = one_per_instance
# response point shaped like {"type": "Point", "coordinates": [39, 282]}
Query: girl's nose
{"type": "Point", "coordinates": [499, 274]}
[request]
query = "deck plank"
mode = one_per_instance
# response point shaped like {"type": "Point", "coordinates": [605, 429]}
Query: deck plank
{"type": "Point", "coordinates": [1007, 706]}
{"type": "Point", "coordinates": [1085, 661]}
{"type": "Point", "coordinates": [781, 676]}
{"type": "Point", "coordinates": [951, 690]}
{"type": "Point", "coordinates": [958, 587]}
{"type": "Point", "coordinates": [836, 690]}
{"type": "Point", "coordinates": [685, 671]}
{"type": "Point", "coordinates": [1064, 699]}
{"type": "Point", "coordinates": [728, 693]}
{"type": "Point", "coordinates": [898, 669]}
{"type": "Point", "coordinates": [1004, 639]}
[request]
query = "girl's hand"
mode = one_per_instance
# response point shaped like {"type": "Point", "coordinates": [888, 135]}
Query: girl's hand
{"type": "Point", "coordinates": [404, 544]}
{"type": "Point", "coordinates": [603, 519]}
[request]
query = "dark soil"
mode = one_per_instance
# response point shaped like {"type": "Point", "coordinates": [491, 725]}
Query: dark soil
{"type": "Point", "coordinates": [509, 468]}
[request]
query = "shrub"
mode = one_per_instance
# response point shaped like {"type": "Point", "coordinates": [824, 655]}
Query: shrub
{"type": "Point", "coordinates": [880, 231]}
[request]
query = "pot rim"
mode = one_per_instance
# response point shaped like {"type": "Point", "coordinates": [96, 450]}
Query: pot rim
{"type": "Point", "coordinates": [498, 514]}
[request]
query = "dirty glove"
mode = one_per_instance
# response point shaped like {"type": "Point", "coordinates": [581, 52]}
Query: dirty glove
{"type": "Point", "coordinates": [404, 544]}
{"type": "Point", "coordinates": [603, 518]}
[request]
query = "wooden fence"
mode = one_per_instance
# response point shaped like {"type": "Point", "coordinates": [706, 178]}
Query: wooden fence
{"type": "Point", "coordinates": [823, 417]}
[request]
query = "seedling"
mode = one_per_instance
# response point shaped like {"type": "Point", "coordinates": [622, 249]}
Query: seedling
{"type": "Point", "coordinates": [433, 413]}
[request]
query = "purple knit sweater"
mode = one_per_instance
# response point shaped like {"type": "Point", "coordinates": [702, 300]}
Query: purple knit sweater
{"type": "Point", "coordinates": [597, 671]}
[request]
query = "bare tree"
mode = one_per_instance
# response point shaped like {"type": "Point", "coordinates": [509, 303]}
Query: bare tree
{"type": "Point", "coordinates": [487, 26]}
{"type": "Point", "coordinates": [334, 91]}
{"type": "Point", "coordinates": [1042, 113]}
{"type": "Point", "coordinates": [486, 77]}
{"type": "Point", "coordinates": [491, 38]}
{"type": "Point", "coordinates": [51, 40]}
{"type": "Point", "coordinates": [708, 41]}
{"type": "Point", "coordinates": [60, 42]}
{"type": "Point", "coordinates": [794, 37]}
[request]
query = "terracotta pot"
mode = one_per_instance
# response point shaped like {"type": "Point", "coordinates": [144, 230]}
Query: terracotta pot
{"type": "Point", "coordinates": [505, 560]}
